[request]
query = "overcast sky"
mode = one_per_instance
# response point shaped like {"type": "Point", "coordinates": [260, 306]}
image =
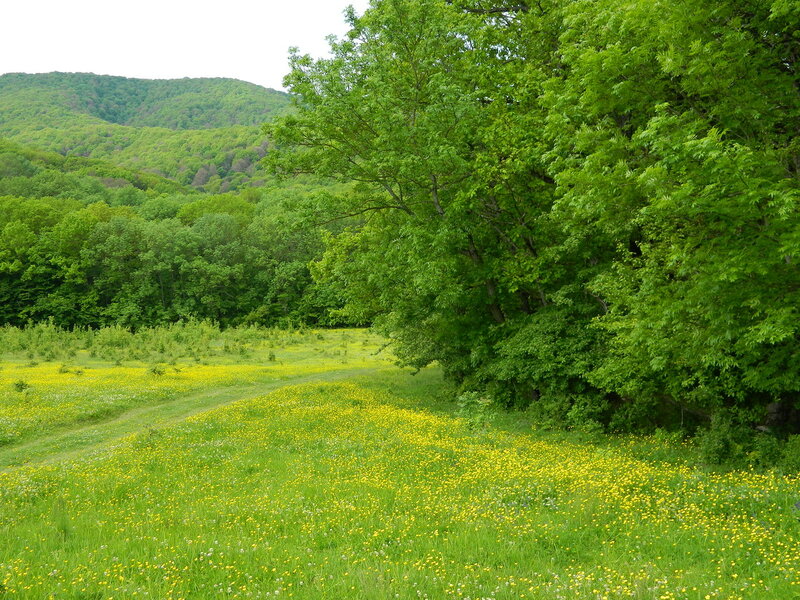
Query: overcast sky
{"type": "Point", "coordinates": [243, 39]}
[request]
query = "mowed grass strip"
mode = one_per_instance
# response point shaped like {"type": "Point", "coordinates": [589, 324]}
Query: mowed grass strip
{"type": "Point", "coordinates": [46, 397]}
{"type": "Point", "coordinates": [332, 491]}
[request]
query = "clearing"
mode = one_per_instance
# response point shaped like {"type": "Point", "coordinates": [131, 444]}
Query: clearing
{"type": "Point", "coordinates": [310, 467]}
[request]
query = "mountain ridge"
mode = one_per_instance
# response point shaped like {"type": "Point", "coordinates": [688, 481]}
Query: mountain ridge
{"type": "Point", "coordinates": [178, 104]}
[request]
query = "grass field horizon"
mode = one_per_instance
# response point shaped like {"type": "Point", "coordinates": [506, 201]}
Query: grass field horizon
{"type": "Point", "coordinates": [259, 464]}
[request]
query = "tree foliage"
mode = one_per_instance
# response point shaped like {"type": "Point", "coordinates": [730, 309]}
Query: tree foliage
{"type": "Point", "coordinates": [587, 206]}
{"type": "Point", "coordinates": [82, 248]}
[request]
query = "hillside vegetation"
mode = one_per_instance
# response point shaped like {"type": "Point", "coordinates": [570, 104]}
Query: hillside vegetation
{"type": "Point", "coordinates": [171, 103]}
{"type": "Point", "coordinates": [199, 132]}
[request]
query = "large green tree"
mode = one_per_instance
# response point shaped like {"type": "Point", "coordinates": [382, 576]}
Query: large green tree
{"type": "Point", "coordinates": [434, 108]}
{"type": "Point", "coordinates": [587, 204]}
{"type": "Point", "coordinates": [674, 134]}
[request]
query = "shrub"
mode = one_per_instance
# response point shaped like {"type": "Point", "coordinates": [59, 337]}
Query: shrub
{"type": "Point", "coordinates": [476, 409]}
{"type": "Point", "coordinates": [790, 461]}
{"type": "Point", "coordinates": [718, 444]}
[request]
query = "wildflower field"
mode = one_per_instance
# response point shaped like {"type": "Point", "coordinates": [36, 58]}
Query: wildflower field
{"type": "Point", "coordinates": [307, 466]}
{"type": "Point", "coordinates": [52, 379]}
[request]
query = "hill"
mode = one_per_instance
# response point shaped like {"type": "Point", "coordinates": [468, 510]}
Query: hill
{"type": "Point", "coordinates": [199, 132]}
{"type": "Point", "coordinates": [177, 104]}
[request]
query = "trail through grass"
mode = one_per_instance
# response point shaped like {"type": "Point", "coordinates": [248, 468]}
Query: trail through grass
{"type": "Point", "coordinates": [64, 444]}
{"type": "Point", "coordinates": [38, 400]}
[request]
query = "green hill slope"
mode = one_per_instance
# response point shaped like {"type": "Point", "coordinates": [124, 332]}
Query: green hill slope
{"type": "Point", "coordinates": [199, 132]}
{"type": "Point", "coordinates": [170, 103]}
{"type": "Point", "coordinates": [24, 170]}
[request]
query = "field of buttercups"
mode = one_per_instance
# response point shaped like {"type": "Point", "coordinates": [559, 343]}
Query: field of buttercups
{"type": "Point", "coordinates": [351, 489]}
{"type": "Point", "coordinates": [52, 379]}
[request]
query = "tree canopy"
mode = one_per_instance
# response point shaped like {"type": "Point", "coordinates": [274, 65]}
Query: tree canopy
{"type": "Point", "coordinates": [85, 243]}
{"type": "Point", "coordinates": [585, 206]}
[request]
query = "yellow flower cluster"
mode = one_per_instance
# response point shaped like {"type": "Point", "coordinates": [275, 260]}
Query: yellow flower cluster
{"type": "Point", "coordinates": [329, 490]}
{"type": "Point", "coordinates": [35, 399]}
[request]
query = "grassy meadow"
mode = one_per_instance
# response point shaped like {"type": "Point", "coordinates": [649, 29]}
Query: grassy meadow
{"type": "Point", "coordinates": [192, 463]}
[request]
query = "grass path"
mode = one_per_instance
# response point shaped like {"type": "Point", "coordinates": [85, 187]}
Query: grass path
{"type": "Point", "coordinates": [64, 444]}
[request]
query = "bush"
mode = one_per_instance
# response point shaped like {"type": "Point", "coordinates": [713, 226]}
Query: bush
{"type": "Point", "coordinates": [790, 461]}
{"type": "Point", "coordinates": [766, 450]}
{"type": "Point", "coordinates": [731, 442]}
{"type": "Point", "coordinates": [725, 441]}
{"type": "Point", "coordinates": [586, 416]}
{"type": "Point", "coordinates": [476, 409]}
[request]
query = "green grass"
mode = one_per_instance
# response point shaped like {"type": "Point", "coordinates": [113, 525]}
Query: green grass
{"type": "Point", "coordinates": [40, 398]}
{"type": "Point", "coordinates": [363, 482]}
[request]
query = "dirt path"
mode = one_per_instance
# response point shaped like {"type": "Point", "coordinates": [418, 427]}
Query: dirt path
{"type": "Point", "coordinates": [80, 439]}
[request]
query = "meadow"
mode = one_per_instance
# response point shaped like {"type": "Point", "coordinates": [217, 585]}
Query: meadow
{"type": "Point", "coordinates": [193, 463]}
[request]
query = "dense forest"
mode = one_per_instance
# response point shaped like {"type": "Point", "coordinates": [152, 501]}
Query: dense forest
{"type": "Point", "coordinates": [199, 132]}
{"type": "Point", "coordinates": [85, 243]}
{"type": "Point", "coordinates": [585, 209]}
{"type": "Point", "coordinates": [152, 231]}
{"type": "Point", "coordinates": [589, 208]}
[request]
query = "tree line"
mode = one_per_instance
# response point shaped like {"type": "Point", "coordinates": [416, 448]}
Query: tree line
{"type": "Point", "coordinates": [88, 244]}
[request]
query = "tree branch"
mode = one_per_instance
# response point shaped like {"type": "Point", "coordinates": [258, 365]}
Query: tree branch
{"type": "Point", "coordinates": [435, 195]}
{"type": "Point", "coordinates": [498, 9]}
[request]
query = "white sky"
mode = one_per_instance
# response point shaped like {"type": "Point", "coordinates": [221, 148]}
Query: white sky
{"type": "Point", "coordinates": [161, 39]}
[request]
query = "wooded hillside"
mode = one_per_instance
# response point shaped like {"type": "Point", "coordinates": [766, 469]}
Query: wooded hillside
{"type": "Point", "coordinates": [198, 132]}
{"type": "Point", "coordinates": [87, 243]}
